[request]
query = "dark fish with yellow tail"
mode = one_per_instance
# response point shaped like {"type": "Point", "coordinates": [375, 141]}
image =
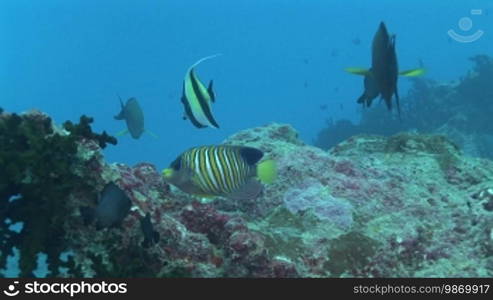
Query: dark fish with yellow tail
{"type": "Point", "coordinates": [197, 99]}
{"type": "Point", "coordinates": [230, 171]}
{"type": "Point", "coordinates": [381, 78]}
{"type": "Point", "coordinates": [133, 115]}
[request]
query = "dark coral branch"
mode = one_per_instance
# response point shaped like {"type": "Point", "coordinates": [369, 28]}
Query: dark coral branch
{"type": "Point", "coordinates": [36, 164]}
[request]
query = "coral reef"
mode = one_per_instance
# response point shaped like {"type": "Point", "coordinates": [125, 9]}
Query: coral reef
{"type": "Point", "coordinates": [408, 205]}
{"type": "Point", "coordinates": [461, 110]}
{"type": "Point", "coordinates": [407, 201]}
{"type": "Point", "coordinates": [33, 157]}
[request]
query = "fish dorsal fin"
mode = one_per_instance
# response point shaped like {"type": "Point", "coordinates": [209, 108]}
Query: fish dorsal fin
{"type": "Point", "coordinates": [358, 71]}
{"type": "Point", "coordinates": [250, 190]}
{"type": "Point", "coordinates": [413, 72]}
{"type": "Point", "coordinates": [121, 114]}
{"type": "Point", "coordinates": [201, 60]}
{"type": "Point", "coordinates": [211, 92]}
{"type": "Point", "coordinates": [121, 101]}
{"type": "Point", "coordinates": [251, 155]}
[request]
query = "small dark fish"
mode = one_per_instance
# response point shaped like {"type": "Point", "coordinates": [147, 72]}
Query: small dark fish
{"type": "Point", "coordinates": [384, 68]}
{"type": "Point", "coordinates": [334, 53]}
{"type": "Point", "coordinates": [305, 61]}
{"type": "Point", "coordinates": [151, 236]}
{"type": "Point", "coordinates": [305, 84]}
{"type": "Point", "coordinates": [381, 78]}
{"type": "Point", "coordinates": [356, 41]}
{"type": "Point", "coordinates": [113, 206]}
{"type": "Point", "coordinates": [336, 89]}
{"type": "Point", "coordinates": [229, 171]}
{"type": "Point", "coordinates": [197, 99]}
{"type": "Point", "coordinates": [341, 106]}
{"type": "Point", "coordinates": [133, 116]}
{"type": "Point", "coordinates": [323, 107]}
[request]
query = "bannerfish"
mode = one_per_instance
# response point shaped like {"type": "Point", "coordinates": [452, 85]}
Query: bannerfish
{"type": "Point", "coordinates": [229, 171]}
{"type": "Point", "coordinates": [150, 235]}
{"type": "Point", "coordinates": [197, 99]}
{"type": "Point", "coordinates": [381, 78]}
{"type": "Point", "coordinates": [133, 115]}
{"type": "Point", "coordinates": [113, 206]}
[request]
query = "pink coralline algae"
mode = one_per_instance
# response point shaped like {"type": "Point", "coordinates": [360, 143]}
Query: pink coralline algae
{"type": "Point", "coordinates": [380, 194]}
{"type": "Point", "coordinates": [370, 206]}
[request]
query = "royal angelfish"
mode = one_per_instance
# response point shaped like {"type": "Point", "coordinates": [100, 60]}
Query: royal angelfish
{"type": "Point", "coordinates": [197, 99]}
{"type": "Point", "coordinates": [229, 171]}
{"type": "Point", "coordinates": [134, 117]}
{"type": "Point", "coordinates": [381, 78]}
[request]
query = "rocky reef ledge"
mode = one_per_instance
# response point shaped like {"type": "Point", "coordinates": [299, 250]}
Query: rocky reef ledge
{"type": "Point", "coordinates": [405, 206]}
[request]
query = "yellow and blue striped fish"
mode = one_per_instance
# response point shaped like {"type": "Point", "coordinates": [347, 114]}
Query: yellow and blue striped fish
{"type": "Point", "coordinates": [230, 171]}
{"type": "Point", "coordinates": [197, 99]}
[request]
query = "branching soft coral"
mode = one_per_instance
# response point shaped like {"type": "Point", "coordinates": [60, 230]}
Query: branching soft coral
{"type": "Point", "coordinates": [35, 166]}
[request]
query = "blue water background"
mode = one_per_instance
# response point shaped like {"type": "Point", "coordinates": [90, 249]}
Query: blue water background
{"type": "Point", "coordinates": [281, 60]}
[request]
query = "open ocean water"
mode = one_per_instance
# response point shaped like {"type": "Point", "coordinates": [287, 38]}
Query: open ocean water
{"type": "Point", "coordinates": [281, 60]}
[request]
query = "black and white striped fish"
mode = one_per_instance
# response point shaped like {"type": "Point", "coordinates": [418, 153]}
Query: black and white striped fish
{"type": "Point", "coordinates": [230, 171]}
{"type": "Point", "coordinates": [197, 99]}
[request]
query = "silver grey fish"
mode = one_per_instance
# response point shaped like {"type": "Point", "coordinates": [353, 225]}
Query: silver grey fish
{"type": "Point", "coordinates": [133, 116]}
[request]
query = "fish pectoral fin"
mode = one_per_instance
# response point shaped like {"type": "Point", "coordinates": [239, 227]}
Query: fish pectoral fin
{"type": "Point", "coordinates": [151, 134]}
{"type": "Point", "coordinates": [250, 190]}
{"type": "Point", "coordinates": [413, 72]}
{"type": "Point", "coordinates": [123, 132]}
{"type": "Point", "coordinates": [358, 71]}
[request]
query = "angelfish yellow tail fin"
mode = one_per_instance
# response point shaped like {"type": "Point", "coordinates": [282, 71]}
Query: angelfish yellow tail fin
{"type": "Point", "coordinates": [267, 171]}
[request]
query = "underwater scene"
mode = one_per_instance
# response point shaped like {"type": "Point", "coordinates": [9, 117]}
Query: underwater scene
{"type": "Point", "coordinates": [246, 138]}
